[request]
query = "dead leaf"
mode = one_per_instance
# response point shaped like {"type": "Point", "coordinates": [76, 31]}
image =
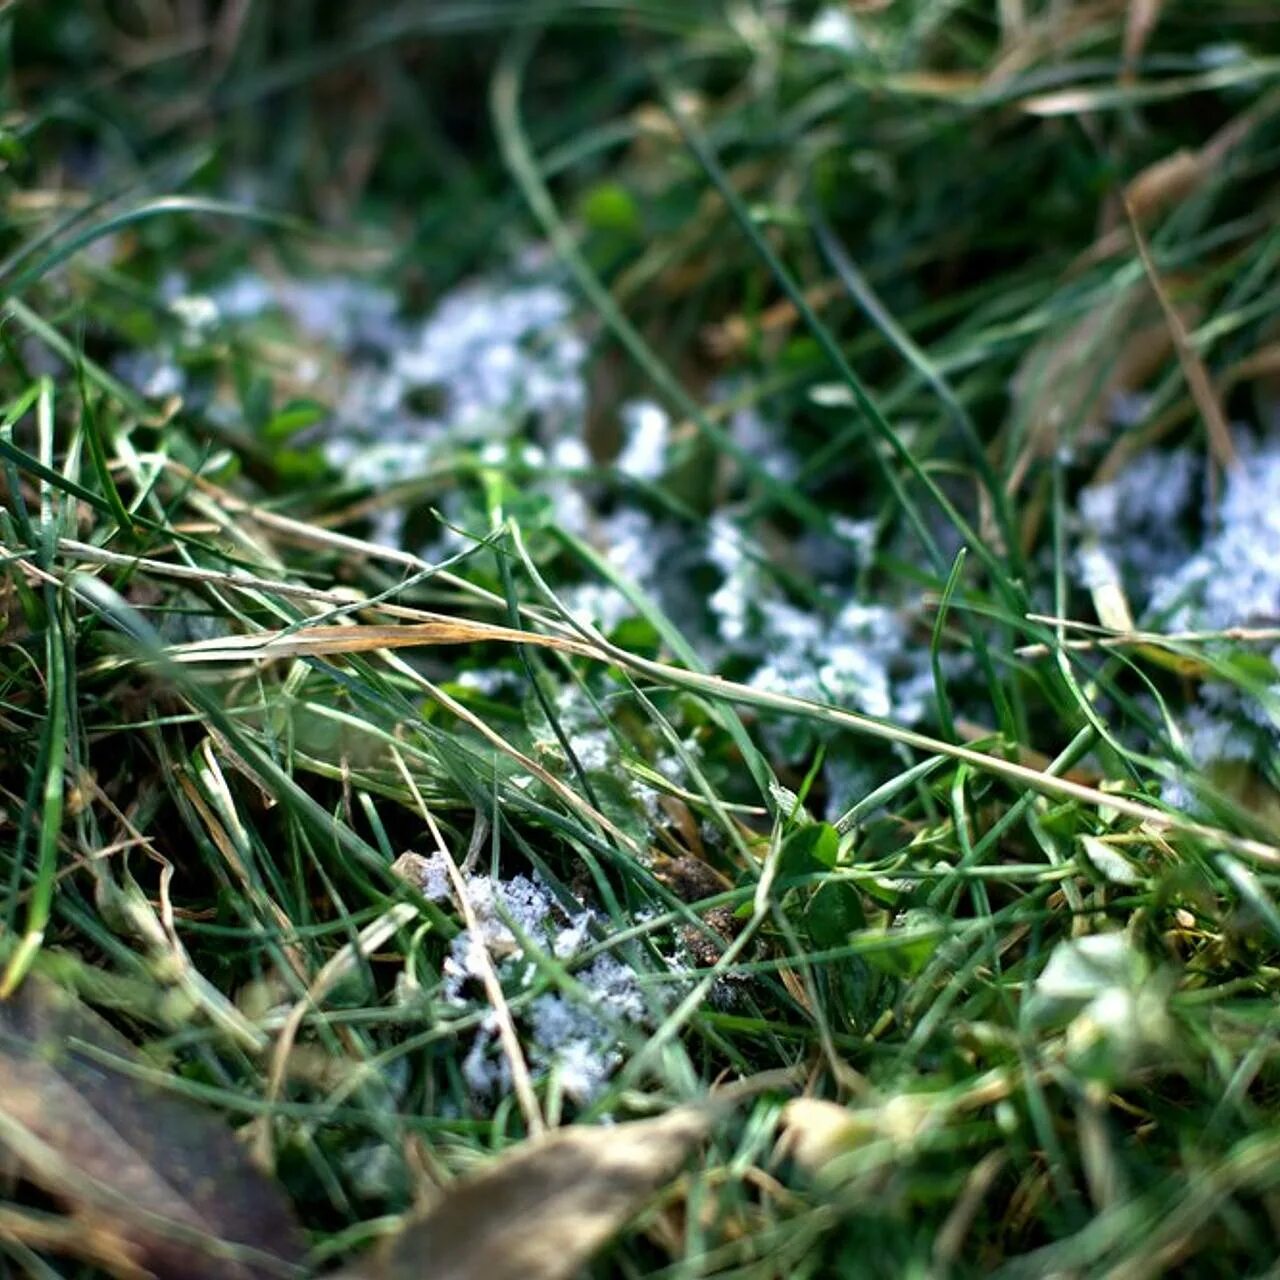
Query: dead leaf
{"type": "Point", "coordinates": [815, 1132]}
{"type": "Point", "coordinates": [1167, 181]}
{"type": "Point", "coordinates": [157, 1185]}
{"type": "Point", "coordinates": [545, 1209]}
{"type": "Point", "coordinates": [733, 336]}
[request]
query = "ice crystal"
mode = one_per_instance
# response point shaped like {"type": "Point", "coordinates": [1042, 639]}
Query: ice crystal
{"type": "Point", "coordinates": [1141, 526]}
{"type": "Point", "coordinates": [834, 28]}
{"type": "Point", "coordinates": [647, 427]}
{"type": "Point", "coordinates": [576, 1037]}
{"type": "Point", "coordinates": [855, 655]}
{"type": "Point", "coordinates": [764, 442]}
{"type": "Point", "coordinates": [1138, 520]}
{"type": "Point", "coordinates": [346, 313]}
{"type": "Point", "coordinates": [493, 351]}
{"type": "Point", "coordinates": [493, 359]}
{"type": "Point", "coordinates": [1234, 578]}
{"type": "Point", "coordinates": [151, 373]}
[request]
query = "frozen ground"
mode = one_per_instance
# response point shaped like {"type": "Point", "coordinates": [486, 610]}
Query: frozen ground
{"type": "Point", "coordinates": [495, 375]}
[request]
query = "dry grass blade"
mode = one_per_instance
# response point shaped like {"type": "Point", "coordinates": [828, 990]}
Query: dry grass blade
{"type": "Point", "coordinates": [156, 1183]}
{"type": "Point", "coordinates": [1140, 22]}
{"type": "Point", "coordinates": [319, 642]}
{"type": "Point", "coordinates": [261, 646]}
{"type": "Point", "coordinates": [1067, 381]}
{"type": "Point", "coordinates": [1107, 638]}
{"type": "Point", "coordinates": [521, 1080]}
{"type": "Point", "coordinates": [1198, 380]}
{"type": "Point", "coordinates": [543, 1211]}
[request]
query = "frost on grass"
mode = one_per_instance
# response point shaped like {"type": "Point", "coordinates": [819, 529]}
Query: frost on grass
{"type": "Point", "coordinates": [1195, 560]}
{"type": "Point", "coordinates": [497, 363]}
{"type": "Point", "coordinates": [1138, 521]}
{"type": "Point", "coordinates": [593, 745]}
{"type": "Point", "coordinates": [495, 374]}
{"type": "Point", "coordinates": [575, 1036]}
{"type": "Point", "coordinates": [644, 453]}
{"type": "Point", "coordinates": [855, 653]}
{"type": "Point", "coordinates": [848, 647]}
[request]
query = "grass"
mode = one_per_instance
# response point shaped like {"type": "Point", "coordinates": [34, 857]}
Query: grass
{"type": "Point", "coordinates": [905, 723]}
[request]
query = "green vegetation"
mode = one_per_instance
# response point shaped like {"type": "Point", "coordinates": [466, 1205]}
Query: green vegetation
{"type": "Point", "coordinates": [562, 559]}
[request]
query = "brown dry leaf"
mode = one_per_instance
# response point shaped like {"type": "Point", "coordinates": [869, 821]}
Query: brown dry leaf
{"type": "Point", "coordinates": [1166, 182]}
{"type": "Point", "coordinates": [157, 1186]}
{"type": "Point", "coordinates": [1051, 36]}
{"type": "Point", "coordinates": [1173, 178]}
{"type": "Point", "coordinates": [1162, 184]}
{"type": "Point", "coordinates": [544, 1210]}
{"type": "Point", "coordinates": [815, 1132]}
{"type": "Point", "coordinates": [732, 336]}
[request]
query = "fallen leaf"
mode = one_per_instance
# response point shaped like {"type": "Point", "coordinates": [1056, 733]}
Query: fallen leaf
{"type": "Point", "coordinates": [158, 1186]}
{"type": "Point", "coordinates": [815, 1132]}
{"type": "Point", "coordinates": [545, 1209]}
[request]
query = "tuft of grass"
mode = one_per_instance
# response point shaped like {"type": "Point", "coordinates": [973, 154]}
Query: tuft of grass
{"type": "Point", "coordinates": [407, 766]}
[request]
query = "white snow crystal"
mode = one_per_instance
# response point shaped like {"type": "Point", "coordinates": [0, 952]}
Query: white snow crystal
{"type": "Point", "coordinates": [1139, 518]}
{"type": "Point", "coordinates": [1234, 579]}
{"type": "Point", "coordinates": [575, 1036]}
{"type": "Point", "coordinates": [647, 428]}
{"type": "Point", "coordinates": [197, 313]}
{"type": "Point", "coordinates": [344, 311]}
{"type": "Point", "coordinates": [493, 351]}
{"type": "Point", "coordinates": [1141, 525]}
{"type": "Point", "coordinates": [763, 441]}
{"type": "Point", "coordinates": [853, 658]}
{"type": "Point", "coordinates": [731, 601]}
{"type": "Point", "coordinates": [834, 28]}
{"type": "Point", "coordinates": [435, 881]}
{"type": "Point", "coordinates": [155, 376]}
